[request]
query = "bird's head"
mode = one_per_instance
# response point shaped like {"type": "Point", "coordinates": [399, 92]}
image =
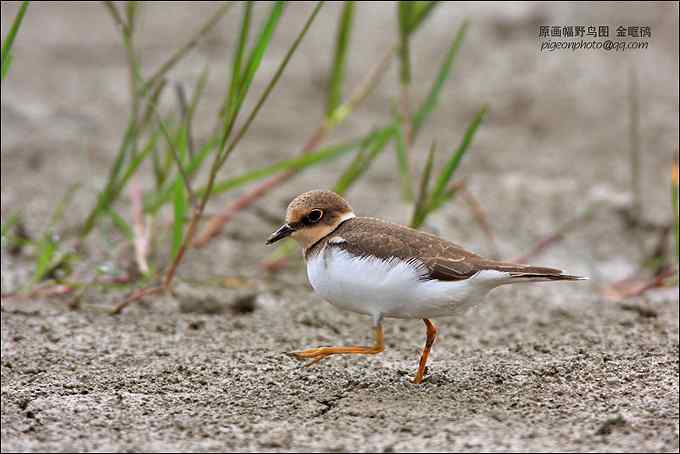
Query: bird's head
{"type": "Point", "coordinates": [311, 216]}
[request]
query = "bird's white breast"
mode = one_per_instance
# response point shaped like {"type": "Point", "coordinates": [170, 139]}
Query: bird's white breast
{"type": "Point", "coordinates": [393, 287]}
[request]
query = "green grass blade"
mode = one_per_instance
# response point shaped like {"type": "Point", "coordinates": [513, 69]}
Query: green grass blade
{"type": "Point", "coordinates": [196, 96]}
{"type": "Point", "coordinates": [452, 190]}
{"type": "Point", "coordinates": [298, 163]}
{"type": "Point", "coordinates": [420, 208]}
{"type": "Point", "coordinates": [223, 153]}
{"type": "Point", "coordinates": [402, 160]}
{"type": "Point", "coordinates": [347, 176]}
{"type": "Point", "coordinates": [430, 101]}
{"type": "Point", "coordinates": [265, 95]}
{"type": "Point", "coordinates": [13, 235]}
{"type": "Point", "coordinates": [199, 90]}
{"type": "Point", "coordinates": [235, 99]}
{"type": "Point", "coordinates": [129, 143]}
{"type": "Point", "coordinates": [378, 146]}
{"type": "Point", "coordinates": [235, 83]}
{"type": "Point", "coordinates": [6, 54]}
{"type": "Point", "coordinates": [121, 224]}
{"type": "Point", "coordinates": [6, 63]}
{"type": "Point", "coordinates": [58, 213]}
{"type": "Point", "coordinates": [178, 150]}
{"type": "Point", "coordinates": [131, 15]}
{"type": "Point", "coordinates": [117, 183]}
{"type": "Point", "coordinates": [47, 246]}
{"type": "Point", "coordinates": [154, 202]}
{"type": "Point", "coordinates": [158, 171]}
{"type": "Point", "coordinates": [135, 162]}
{"type": "Point", "coordinates": [151, 104]}
{"type": "Point", "coordinates": [115, 15]}
{"type": "Point", "coordinates": [340, 57]}
{"type": "Point", "coordinates": [180, 216]}
{"type": "Point", "coordinates": [372, 146]}
{"type": "Point", "coordinates": [123, 151]}
{"type": "Point", "coordinates": [448, 194]}
{"type": "Point", "coordinates": [9, 224]}
{"type": "Point", "coordinates": [106, 195]}
{"type": "Point", "coordinates": [196, 161]}
{"type": "Point", "coordinates": [46, 250]}
{"type": "Point", "coordinates": [676, 213]}
{"type": "Point", "coordinates": [256, 54]}
{"type": "Point", "coordinates": [421, 11]}
{"type": "Point", "coordinates": [405, 12]}
{"type": "Point", "coordinates": [454, 161]}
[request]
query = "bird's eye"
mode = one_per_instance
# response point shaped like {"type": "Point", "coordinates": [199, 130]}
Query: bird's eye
{"type": "Point", "coordinates": [314, 216]}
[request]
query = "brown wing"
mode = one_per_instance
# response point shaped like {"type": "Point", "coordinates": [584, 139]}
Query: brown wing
{"type": "Point", "coordinates": [444, 260]}
{"type": "Point", "coordinates": [374, 237]}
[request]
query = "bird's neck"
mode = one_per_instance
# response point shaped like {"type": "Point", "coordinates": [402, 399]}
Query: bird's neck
{"type": "Point", "coordinates": [308, 242]}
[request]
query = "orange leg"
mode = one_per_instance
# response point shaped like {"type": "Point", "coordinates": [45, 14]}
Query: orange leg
{"type": "Point", "coordinates": [317, 354]}
{"type": "Point", "coordinates": [431, 335]}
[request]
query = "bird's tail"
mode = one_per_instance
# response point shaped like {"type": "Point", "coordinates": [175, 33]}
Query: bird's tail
{"type": "Point", "coordinates": [524, 276]}
{"type": "Point", "coordinates": [515, 272]}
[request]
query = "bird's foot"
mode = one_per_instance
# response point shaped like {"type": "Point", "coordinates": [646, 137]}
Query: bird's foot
{"type": "Point", "coordinates": [317, 354]}
{"type": "Point", "coordinates": [313, 354]}
{"type": "Point", "coordinates": [421, 376]}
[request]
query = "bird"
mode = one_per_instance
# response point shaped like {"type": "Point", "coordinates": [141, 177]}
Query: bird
{"type": "Point", "coordinates": [381, 269]}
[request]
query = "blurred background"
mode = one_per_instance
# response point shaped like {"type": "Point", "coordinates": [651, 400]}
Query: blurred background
{"type": "Point", "coordinates": [557, 136]}
{"type": "Point", "coordinates": [562, 158]}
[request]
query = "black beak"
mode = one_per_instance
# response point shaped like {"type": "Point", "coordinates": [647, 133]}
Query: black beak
{"type": "Point", "coordinates": [281, 233]}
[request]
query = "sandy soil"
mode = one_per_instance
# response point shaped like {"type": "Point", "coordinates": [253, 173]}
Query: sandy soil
{"type": "Point", "coordinates": [545, 367]}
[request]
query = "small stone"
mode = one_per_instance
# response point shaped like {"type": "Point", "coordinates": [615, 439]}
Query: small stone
{"type": "Point", "coordinates": [610, 424]}
{"type": "Point", "coordinates": [215, 300]}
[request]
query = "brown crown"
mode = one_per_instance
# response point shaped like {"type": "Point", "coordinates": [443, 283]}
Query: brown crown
{"type": "Point", "coordinates": [327, 201]}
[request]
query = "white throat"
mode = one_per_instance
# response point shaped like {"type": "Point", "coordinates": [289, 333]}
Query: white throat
{"type": "Point", "coordinates": [346, 216]}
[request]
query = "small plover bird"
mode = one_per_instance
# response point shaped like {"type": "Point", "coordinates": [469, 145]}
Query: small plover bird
{"type": "Point", "coordinates": [377, 268]}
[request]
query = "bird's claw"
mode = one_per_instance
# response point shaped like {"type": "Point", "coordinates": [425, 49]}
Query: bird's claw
{"type": "Point", "coordinates": [315, 357]}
